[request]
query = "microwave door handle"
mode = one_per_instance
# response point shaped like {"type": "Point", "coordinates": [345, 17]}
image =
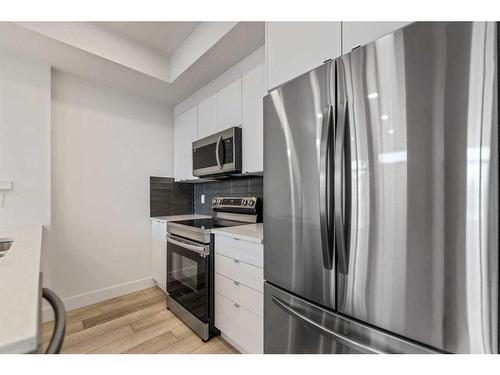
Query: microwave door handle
{"type": "Point", "coordinates": [325, 187]}
{"type": "Point", "coordinates": [217, 151]}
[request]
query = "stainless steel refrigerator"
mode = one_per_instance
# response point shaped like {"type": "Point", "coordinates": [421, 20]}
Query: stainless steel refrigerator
{"type": "Point", "coordinates": [381, 198]}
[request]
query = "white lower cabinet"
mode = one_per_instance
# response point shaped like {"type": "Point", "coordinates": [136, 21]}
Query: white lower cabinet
{"type": "Point", "coordinates": [245, 296]}
{"type": "Point", "coordinates": [159, 252]}
{"type": "Point", "coordinates": [239, 298]}
{"type": "Point", "coordinates": [235, 269]}
{"type": "Point", "coordinates": [244, 328]}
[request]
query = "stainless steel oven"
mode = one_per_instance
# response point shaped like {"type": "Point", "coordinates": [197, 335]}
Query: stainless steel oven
{"type": "Point", "coordinates": [218, 154]}
{"type": "Point", "coordinates": [190, 261]}
{"type": "Point", "coordinates": [189, 269]}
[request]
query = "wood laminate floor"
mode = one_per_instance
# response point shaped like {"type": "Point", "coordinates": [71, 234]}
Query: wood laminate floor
{"type": "Point", "coordinates": [134, 323]}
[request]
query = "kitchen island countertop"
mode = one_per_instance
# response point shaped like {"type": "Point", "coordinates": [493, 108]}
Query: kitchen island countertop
{"type": "Point", "coordinates": [20, 292]}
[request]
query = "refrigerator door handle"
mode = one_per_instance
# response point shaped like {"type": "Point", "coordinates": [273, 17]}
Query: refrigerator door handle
{"type": "Point", "coordinates": [342, 182]}
{"type": "Point", "coordinates": [325, 187]}
{"type": "Point", "coordinates": [324, 330]}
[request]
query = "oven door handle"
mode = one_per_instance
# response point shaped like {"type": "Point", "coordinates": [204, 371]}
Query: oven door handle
{"type": "Point", "coordinates": [202, 250]}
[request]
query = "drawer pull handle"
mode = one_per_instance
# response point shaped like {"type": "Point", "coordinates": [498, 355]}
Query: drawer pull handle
{"type": "Point", "coordinates": [236, 261]}
{"type": "Point", "coordinates": [235, 238]}
{"type": "Point", "coordinates": [236, 283]}
{"type": "Point", "coordinates": [236, 305]}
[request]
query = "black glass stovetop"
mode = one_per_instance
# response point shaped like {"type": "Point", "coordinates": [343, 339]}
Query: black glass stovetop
{"type": "Point", "coordinates": [208, 223]}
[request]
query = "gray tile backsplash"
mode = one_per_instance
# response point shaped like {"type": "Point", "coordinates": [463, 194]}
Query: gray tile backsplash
{"type": "Point", "coordinates": [241, 186]}
{"type": "Point", "coordinates": [171, 198]}
{"type": "Point", "coordinates": [167, 197]}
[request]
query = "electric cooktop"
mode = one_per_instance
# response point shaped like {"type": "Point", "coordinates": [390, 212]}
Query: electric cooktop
{"type": "Point", "coordinates": [208, 223]}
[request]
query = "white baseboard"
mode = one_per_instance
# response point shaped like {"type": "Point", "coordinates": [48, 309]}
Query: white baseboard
{"type": "Point", "coordinates": [85, 299]}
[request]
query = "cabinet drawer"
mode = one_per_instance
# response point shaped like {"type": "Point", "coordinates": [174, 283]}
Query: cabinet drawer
{"type": "Point", "coordinates": [240, 325]}
{"type": "Point", "coordinates": [249, 298]}
{"type": "Point", "coordinates": [245, 251]}
{"type": "Point", "coordinates": [244, 273]}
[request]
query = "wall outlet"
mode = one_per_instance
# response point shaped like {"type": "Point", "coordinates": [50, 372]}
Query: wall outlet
{"type": "Point", "coordinates": [202, 198]}
{"type": "Point", "coordinates": [4, 187]}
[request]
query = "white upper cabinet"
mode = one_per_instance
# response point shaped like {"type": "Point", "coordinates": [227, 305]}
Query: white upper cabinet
{"type": "Point", "coordinates": [360, 33]}
{"type": "Point", "coordinates": [186, 128]}
{"type": "Point", "coordinates": [253, 91]}
{"type": "Point", "coordinates": [178, 149]}
{"type": "Point", "coordinates": [294, 48]}
{"type": "Point", "coordinates": [229, 106]}
{"type": "Point", "coordinates": [192, 135]}
{"type": "Point", "coordinates": [207, 117]}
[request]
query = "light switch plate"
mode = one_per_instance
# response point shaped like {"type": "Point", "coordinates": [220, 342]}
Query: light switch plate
{"type": "Point", "coordinates": [202, 198]}
{"type": "Point", "coordinates": [6, 185]}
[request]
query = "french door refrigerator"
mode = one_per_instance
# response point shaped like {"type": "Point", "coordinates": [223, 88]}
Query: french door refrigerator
{"type": "Point", "coordinates": [381, 191]}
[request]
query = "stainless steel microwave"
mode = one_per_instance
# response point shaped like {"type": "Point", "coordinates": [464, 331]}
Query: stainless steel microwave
{"type": "Point", "coordinates": [218, 154]}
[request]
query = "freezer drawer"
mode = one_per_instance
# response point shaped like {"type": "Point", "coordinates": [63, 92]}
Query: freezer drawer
{"type": "Point", "coordinates": [293, 325]}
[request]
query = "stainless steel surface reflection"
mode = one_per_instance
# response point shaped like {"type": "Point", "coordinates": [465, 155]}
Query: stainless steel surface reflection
{"type": "Point", "coordinates": [424, 256]}
{"type": "Point", "coordinates": [292, 143]}
{"type": "Point", "coordinates": [294, 325]}
{"type": "Point", "coordinates": [415, 197]}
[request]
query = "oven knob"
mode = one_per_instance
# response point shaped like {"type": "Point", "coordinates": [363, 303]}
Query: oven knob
{"type": "Point", "coordinates": [214, 201]}
{"type": "Point", "coordinates": [219, 201]}
{"type": "Point", "coordinates": [244, 202]}
{"type": "Point", "coordinates": [251, 203]}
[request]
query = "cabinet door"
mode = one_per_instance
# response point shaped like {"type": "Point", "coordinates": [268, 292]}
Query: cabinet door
{"type": "Point", "coordinates": [229, 106]}
{"type": "Point", "coordinates": [294, 48]}
{"type": "Point", "coordinates": [360, 33]}
{"type": "Point", "coordinates": [158, 252]}
{"type": "Point", "coordinates": [191, 135]}
{"type": "Point", "coordinates": [179, 146]}
{"type": "Point", "coordinates": [253, 90]}
{"type": "Point", "coordinates": [186, 126]}
{"type": "Point", "coordinates": [207, 117]}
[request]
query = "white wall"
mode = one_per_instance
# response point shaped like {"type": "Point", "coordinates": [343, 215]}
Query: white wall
{"type": "Point", "coordinates": [25, 139]}
{"type": "Point", "coordinates": [105, 145]}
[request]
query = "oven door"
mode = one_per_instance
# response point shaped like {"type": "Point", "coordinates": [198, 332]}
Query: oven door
{"type": "Point", "coordinates": [188, 275]}
{"type": "Point", "coordinates": [218, 154]}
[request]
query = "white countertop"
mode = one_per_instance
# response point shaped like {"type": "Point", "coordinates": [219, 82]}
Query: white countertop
{"type": "Point", "coordinates": [249, 232]}
{"type": "Point", "coordinates": [19, 290]}
{"type": "Point", "coordinates": [181, 217]}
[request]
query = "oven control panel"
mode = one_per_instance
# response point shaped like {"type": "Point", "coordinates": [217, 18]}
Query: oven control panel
{"type": "Point", "coordinates": [240, 202]}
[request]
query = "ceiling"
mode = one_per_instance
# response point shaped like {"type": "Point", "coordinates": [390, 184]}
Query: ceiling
{"type": "Point", "coordinates": [222, 54]}
{"type": "Point", "coordinates": [162, 36]}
